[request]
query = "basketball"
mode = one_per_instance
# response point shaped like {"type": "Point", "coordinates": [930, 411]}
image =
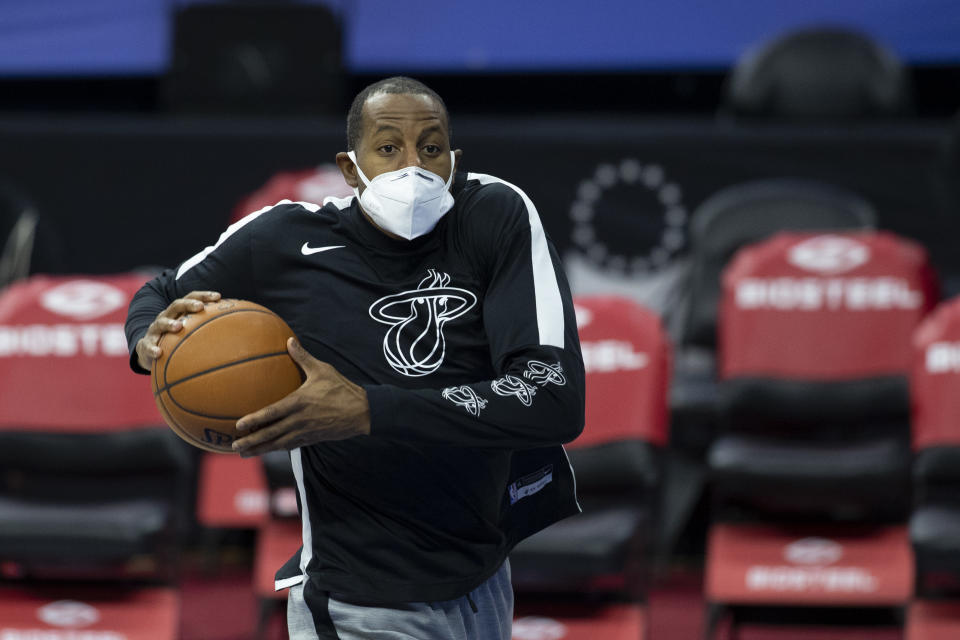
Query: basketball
{"type": "Point", "coordinates": [228, 360]}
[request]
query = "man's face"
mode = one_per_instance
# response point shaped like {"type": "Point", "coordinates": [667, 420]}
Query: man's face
{"type": "Point", "coordinates": [398, 131]}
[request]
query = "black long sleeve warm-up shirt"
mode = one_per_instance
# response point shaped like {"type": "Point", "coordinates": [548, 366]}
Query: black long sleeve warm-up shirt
{"type": "Point", "coordinates": [466, 344]}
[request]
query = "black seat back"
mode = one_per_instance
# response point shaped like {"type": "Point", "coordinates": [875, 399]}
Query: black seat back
{"type": "Point", "coordinates": [748, 212]}
{"type": "Point", "coordinates": [256, 58]}
{"type": "Point", "coordinates": [819, 73]}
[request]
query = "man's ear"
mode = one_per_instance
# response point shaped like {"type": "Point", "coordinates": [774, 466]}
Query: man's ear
{"type": "Point", "coordinates": [457, 154]}
{"type": "Point", "coordinates": [348, 169]}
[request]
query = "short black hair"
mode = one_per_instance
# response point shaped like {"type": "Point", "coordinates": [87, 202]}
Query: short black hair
{"type": "Point", "coordinates": [398, 85]}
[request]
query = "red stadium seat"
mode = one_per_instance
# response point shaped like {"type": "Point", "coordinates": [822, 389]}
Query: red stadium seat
{"type": "Point", "coordinates": [617, 459]}
{"type": "Point", "coordinates": [815, 349]}
{"type": "Point", "coordinates": [279, 536]}
{"type": "Point", "coordinates": [95, 486]}
{"type": "Point", "coordinates": [811, 565]}
{"type": "Point", "coordinates": [277, 541]}
{"type": "Point", "coordinates": [803, 306]}
{"type": "Point", "coordinates": [934, 377]}
{"type": "Point", "coordinates": [626, 356]}
{"type": "Point", "coordinates": [935, 523]}
{"type": "Point", "coordinates": [735, 216]}
{"type": "Point", "coordinates": [579, 621]}
{"type": "Point", "coordinates": [933, 620]}
{"type": "Point", "coordinates": [307, 185]}
{"type": "Point", "coordinates": [62, 356]}
{"type": "Point", "coordinates": [280, 533]}
{"type": "Point", "coordinates": [814, 344]}
{"type": "Point", "coordinates": [231, 492]}
{"type": "Point", "coordinates": [95, 613]}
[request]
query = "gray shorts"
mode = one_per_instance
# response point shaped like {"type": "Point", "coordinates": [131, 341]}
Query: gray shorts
{"type": "Point", "coordinates": [486, 613]}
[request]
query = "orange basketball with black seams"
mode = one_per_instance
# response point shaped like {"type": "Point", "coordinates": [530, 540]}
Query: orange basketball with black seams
{"type": "Point", "coordinates": [228, 360]}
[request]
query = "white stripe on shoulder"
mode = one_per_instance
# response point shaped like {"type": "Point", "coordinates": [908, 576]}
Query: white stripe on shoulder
{"type": "Point", "coordinates": [239, 224]}
{"type": "Point", "coordinates": [339, 203]}
{"type": "Point", "coordinates": [312, 207]}
{"type": "Point", "coordinates": [549, 303]}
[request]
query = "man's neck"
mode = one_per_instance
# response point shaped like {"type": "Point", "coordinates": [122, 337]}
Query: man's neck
{"type": "Point", "coordinates": [378, 227]}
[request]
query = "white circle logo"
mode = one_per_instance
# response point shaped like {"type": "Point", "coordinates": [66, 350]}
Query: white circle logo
{"type": "Point", "coordinates": [829, 254]}
{"type": "Point", "coordinates": [83, 299]}
{"type": "Point", "coordinates": [536, 628]}
{"type": "Point", "coordinates": [639, 178]}
{"type": "Point", "coordinates": [813, 551]}
{"type": "Point", "coordinates": [68, 613]}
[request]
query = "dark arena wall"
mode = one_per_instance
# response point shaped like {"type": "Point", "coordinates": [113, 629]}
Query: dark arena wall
{"type": "Point", "coordinates": [124, 192]}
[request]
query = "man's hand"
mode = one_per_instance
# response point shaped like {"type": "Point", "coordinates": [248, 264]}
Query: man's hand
{"type": "Point", "coordinates": [148, 349]}
{"type": "Point", "coordinates": [327, 406]}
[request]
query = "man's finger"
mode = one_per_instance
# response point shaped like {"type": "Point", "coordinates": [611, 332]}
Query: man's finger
{"type": "Point", "coordinates": [285, 442]}
{"type": "Point", "coordinates": [300, 355]}
{"type": "Point", "coordinates": [166, 325]}
{"type": "Point", "coordinates": [269, 414]}
{"type": "Point", "coordinates": [181, 306]}
{"type": "Point", "coordinates": [208, 296]}
{"type": "Point", "coordinates": [267, 434]}
{"type": "Point", "coordinates": [168, 321]}
{"type": "Point", "coordinates": [147, 353]}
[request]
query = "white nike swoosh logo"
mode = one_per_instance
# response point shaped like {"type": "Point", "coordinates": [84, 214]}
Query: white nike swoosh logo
{"type": "Point", "coordinates": [309, 251]}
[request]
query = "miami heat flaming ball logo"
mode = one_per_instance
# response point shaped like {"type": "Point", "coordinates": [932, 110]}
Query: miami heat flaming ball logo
{"type": "Point", "coordinates": [414, 344]}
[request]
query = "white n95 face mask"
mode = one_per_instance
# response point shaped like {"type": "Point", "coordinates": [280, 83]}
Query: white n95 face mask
{"type": "Point", "coordinates": [408, 202]}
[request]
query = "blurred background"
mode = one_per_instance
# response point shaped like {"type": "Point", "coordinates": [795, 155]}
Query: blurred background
{"type": "Point", "coordinates": [657, 139]}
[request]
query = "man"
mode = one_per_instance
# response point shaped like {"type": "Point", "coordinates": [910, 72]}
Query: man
{"type": "Point", "coordinates": [443, 370]}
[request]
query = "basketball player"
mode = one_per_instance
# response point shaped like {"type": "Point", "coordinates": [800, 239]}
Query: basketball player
{"type": "Point", "coordinates": [443, 371]}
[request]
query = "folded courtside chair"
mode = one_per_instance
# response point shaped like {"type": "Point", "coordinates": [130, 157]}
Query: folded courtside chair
{"type": "Point", "coordinates": [935, 521]}
{"type": "Point", "coordinates": [590, 571]}
{"type": "Point", "coordinates": [96, 493]}
{"type": "Point", "coordinates": [728, 220]}
{"type": "Point", "coordinates": [810, 474]}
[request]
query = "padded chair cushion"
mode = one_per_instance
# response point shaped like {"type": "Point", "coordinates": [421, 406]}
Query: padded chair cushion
{"type": "Point", "coordinates": [625, 465]}
{"type": "Point", "coordinates": [121, 467]}
{"type": "Point", "coordinates": [112, 531]}
{"type": "Point", "coordinates": [935, 534]}
{"type": "Point", "coordinates": [749, 404]}
{"type": "Point", "coordinates": [936, 528]}
{"type": "Point", "coordinates": [937, 464]}
{"type": "Point", "coordinates": [600, 542]}
{"type": "Point", "coordinates": [138, 451]}
{"type": "Point", "coordinates": [796, 474]}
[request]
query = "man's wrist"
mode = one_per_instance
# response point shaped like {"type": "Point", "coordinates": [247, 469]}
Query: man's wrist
{"type": "Point", "coordinates": [363, 422]}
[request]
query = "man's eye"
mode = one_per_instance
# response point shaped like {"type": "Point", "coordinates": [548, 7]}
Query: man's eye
{"type": "Point", "coordinates": [432, 149]}
{"type": "Point", "coordinates": [388, 148]}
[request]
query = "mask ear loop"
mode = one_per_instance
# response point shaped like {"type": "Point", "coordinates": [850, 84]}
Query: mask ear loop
{"type": "Point", "coordinates": [453, 168]}
{"type": "Point", "coordinates": [353, 156]}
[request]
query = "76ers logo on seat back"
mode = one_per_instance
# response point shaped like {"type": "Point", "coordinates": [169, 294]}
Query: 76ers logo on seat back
{"type": "Point", "coordinates": [414, 344]}
{"type": "Point", "coordinates": [829, 254]}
